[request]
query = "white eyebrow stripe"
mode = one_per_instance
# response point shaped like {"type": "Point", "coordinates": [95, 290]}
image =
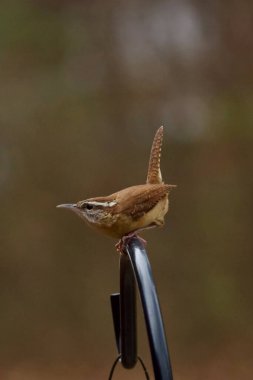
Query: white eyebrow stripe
{"type": "Point", "coordinates": [103, 204]}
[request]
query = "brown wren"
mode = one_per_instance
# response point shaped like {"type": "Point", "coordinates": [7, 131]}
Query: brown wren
{"type": "Point", "coordinates": [124, 213]}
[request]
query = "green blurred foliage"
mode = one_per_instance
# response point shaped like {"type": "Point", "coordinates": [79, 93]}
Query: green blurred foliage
{"type": "Point", "coordinates": [83, 87]}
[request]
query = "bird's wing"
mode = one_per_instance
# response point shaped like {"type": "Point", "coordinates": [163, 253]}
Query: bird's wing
{"type": "Point", "coordinates": [138, 200]}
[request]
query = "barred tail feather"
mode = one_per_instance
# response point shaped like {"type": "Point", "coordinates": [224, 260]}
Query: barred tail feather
{"type": "Point", "coordinates": [154, 172]}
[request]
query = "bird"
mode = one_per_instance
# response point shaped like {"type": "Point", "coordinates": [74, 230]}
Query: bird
{"type": "Point", "coordinates": [125, 213]}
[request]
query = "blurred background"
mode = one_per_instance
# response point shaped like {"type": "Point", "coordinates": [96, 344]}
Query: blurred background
{"type": "Point", "coordinates": [83, 87]}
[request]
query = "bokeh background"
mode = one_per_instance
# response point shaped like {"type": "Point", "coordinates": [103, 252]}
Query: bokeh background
{"type": "Point", "coordinates": [83, 87]}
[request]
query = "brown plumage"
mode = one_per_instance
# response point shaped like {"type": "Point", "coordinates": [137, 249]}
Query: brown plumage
{"type": "Point", "coordinates": [140, 199]}
{"type": "Point", "coordinates": [132, 209]}
{"type": "Point", "coordinates": [154, 171]}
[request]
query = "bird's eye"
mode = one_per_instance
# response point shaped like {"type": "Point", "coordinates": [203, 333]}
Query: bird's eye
{"type": "Point", "coordinates": [89, 206]}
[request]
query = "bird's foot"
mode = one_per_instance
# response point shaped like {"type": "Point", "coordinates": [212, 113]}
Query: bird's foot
{"type": "Point", "coordinates": [121, 245]}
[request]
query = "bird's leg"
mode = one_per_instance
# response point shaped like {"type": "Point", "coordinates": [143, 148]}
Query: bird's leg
{"type": "Point", "coordinates": [121, 245]}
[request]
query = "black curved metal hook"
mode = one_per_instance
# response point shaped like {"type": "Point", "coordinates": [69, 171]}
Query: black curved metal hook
{"type": "Point", "coordinates": [117, 361]}
{"type": "Point", "coordinates": [134, 264]}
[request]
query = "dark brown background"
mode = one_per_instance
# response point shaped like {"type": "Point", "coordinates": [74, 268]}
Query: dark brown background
{"type": "Point", "coordinates": [84, 85]}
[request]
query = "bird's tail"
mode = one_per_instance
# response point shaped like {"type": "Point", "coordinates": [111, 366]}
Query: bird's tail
{"type": "Point", "coordinates": [154, 171]}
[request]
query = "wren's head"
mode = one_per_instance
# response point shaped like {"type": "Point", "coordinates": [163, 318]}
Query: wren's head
{"type": "Point", "coordinates": [91, 211]}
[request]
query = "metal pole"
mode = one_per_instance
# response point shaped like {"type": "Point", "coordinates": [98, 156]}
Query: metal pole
{"type": "Point", "coordinates": [135, 266]}
{"type": "Point", "coordinates": [151, 309]}
{"type": "Point", "coordinates": [128, 334]}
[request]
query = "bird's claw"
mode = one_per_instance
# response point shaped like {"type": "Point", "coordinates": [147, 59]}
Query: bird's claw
{"type": "Point", "coordinates": [121, 245]}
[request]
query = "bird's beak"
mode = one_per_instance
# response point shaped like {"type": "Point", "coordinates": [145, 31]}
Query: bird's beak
{"type": "Point", "coordinates": [70, 206]}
